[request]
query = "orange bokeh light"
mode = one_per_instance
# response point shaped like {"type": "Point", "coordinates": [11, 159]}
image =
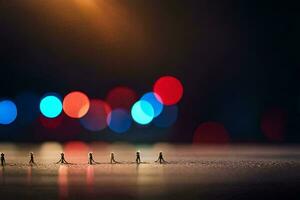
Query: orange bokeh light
{"type": "Point", "coordinates": [76, 104]}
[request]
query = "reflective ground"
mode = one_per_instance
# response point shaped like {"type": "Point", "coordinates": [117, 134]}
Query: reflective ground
{"type": "Point", "coordinates": [205, 172]}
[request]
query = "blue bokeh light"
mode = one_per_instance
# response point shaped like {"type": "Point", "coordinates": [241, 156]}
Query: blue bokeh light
{"type": "Point", "coordinates": [142, 112]}
{"type": "Point", "coordinates": [119, 120]}
{"type": "Point", "coordinates": [155, 102]}
{"type": "Point", "coordinates": [50, 106]}
{"type": "Point", "coordinates": [167, 118]}
{"type": "Point", "coordinates": [8, 112]}
{"type": "Point", "coordinates": [28, 107]}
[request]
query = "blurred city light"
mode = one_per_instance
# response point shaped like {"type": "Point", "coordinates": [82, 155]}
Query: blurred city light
{"type": "Point", "coordinates": [50, 106]}
{"type": "Point", "coordinates": [28, 107]}
{"type": "Point", "coordinates": [76, 104]}
{"type": "Point", "coordinates": [273, 124]}
{"type": "Point", "coordinates": [155, 101]}
{"type": "Point", "coordinates": [51, 123]}
{"type": "Point", "coordinates": [211, 132]}
{"type": "Point", "coordinates": [95, 119]}
{"type": "Point", "coordinates": [121, 97]}
{"type": "Point", "coordinates": [169, 89]}
{"type": "Point", "coordinates": [8, 111]}
{"type": "Point", "coordinates": [142, 112]}
{"type": "Point", "coordinates": [119, 120]}
{"type": "Point", "coordinates": [167, 118]}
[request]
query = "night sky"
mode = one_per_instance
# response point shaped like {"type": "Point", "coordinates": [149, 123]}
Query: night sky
{"type": "Point", "coordinates": [235, 59]}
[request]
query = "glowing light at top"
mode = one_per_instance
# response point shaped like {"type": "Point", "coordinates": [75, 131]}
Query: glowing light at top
{"type": "Point", "coordinates": [76, 104]}
{"type": "Point", "coordinates": [169, 89]}
{"type": "Point", "coordinates": [8, 112]}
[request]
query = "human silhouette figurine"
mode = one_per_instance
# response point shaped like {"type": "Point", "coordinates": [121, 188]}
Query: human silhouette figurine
{"type": "Point", "coordinates": [62, 159]}
{"type": "Point", "coordinates": [91, 159]}
{"type": "Point", "coordinates": [2, 159]}
{"type": "Point", "coordinates": [138, 158]}
{"type": "Point", "coordinates": [31, 161]}
{"type": "Point", "coordinates": [160, 158]}
{"type": "Point", "coordinates": [112, 158]}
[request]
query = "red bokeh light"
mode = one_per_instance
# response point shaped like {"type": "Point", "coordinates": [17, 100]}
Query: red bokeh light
{"type": "Point", "coordinates": [273, 124]}
{"type": "Point", "coordinates": [76, 104]}
{"type": "Point", "coordinates": [51, 123]}
{"type": "Point", "coordinates": [121, 97]}
{"type": "Point", "coordinates": [169, 89]}
{"type": "Point", "coordinates": [96, 117]}
{"type": "Point", "coordinates": [211, 132]}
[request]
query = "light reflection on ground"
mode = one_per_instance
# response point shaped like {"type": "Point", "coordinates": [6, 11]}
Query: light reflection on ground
{"type": "Point", "coordinates": [192, 171]}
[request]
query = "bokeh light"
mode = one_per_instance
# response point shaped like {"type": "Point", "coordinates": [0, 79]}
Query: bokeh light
{"type": "Point", "coordinates": [167, 118]}
{"type": "Point", "coordinates": [240, 115]}
{"type": "Point", "coordinates": [76, 104]}
{"type": "Point", "coordinates": [121, 97]}
{"type": "Point", "coordinates": [119, 120]}
{"type": "Point", "coordinates": [155, 101]}
{"type": "Point", "coordinates": [49, 151]}
{"type": "Point", "coordinates": [169, 89]}
{"type": "Point", "coordinates": [28, 107]}
{"type": "Point", "coordinates": [50, 106]}
{"type": "Point", "coordinates": [76, 151]}
{"type": "Point", "coordinates": [51, 123]}
{"type": "Point", "coordinates": [8, 112]}
{"type": "Point", "coordinates": [142, 112]}
{"type": "Point", "coordinates": [211, 132]}
{"type": "Point", "coordinates": [273, 124]}
{"type": "Point", "coordinates": [96, 118]}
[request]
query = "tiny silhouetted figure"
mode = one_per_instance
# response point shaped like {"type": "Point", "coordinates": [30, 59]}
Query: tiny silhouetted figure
{"type": "Point", "coordinates": [91, 159]}
{"type": "Point", "coordinates": [112, 158]}
{"type": "Point", "coordinates": [138, 158]}
{"type": "Point", "coordinates": [2, 159]}
{"type": "Point", "coordinates": [160, 158]}
{"type": "Point", "coordinates": [62, 159]}
{"type": "Point", "coordinates": [31, 161]}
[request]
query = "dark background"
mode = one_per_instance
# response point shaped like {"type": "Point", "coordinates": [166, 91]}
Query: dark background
{"type": "Point", "coordinates": [236, 60]}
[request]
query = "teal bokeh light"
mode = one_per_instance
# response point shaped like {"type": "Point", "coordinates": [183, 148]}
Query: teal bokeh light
{"type": "Point", "coordinates": [8, 112]}
{"type": "Point", "coordinates": [50, 106]}
{"type": "Point", "coordinates": [142, 112]}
